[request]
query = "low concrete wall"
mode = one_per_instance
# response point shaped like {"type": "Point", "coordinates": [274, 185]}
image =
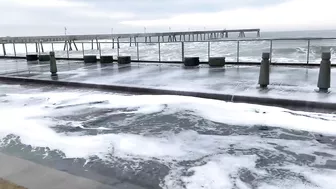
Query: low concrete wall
{"type": "Point", "coordinates": [90, 59]}
{"type": "Point", "coordinates": [217, 61]}
{"type": "Point", "coordinates": [291, 103]}
{"type": "Point", "coordinates": [106, 59]}
{"type": "Point", "coordinates": [32, 57]}
{"type": "Point", "coordinates": [191, 61]}
{"type": "Point", "coordinates": [44, 57]}
{"type": "Point", "coordinates": [124, 60]}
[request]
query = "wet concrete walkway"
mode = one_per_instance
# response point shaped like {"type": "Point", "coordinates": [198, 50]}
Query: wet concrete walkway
{"type": "Point", "coordinates": [295, 83]}
{"type": "Point", "coordinates": [34, 176]}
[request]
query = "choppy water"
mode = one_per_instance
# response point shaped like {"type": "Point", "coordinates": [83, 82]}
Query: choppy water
{"type": "Point", "coordinates": [283, 51]}
{"type": "Point", "coordinates": [170, 141]}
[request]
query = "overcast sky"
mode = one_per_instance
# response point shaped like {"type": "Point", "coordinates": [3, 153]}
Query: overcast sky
{"type": "Point", "coordinates": [49, 17]}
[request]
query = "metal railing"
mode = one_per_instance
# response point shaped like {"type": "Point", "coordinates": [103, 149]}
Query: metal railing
{"type": "Point", "coordinates": [209, 42]}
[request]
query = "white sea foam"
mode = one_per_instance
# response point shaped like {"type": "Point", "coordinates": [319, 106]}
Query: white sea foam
{"type": "Point", "coordinates": [30, 116]}
{"type": "Point", "coordinates": [218, 172]}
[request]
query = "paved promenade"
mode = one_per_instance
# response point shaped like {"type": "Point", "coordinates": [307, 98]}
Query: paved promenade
{"type": "Point", "coordinates": [295, 83]}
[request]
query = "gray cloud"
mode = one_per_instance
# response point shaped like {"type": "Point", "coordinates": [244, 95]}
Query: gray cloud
{"type": "Point", "coordinates": [48, 17]}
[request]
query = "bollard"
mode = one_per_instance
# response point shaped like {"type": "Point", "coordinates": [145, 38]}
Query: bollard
{"type": "Point", "coordinates": [217, 61]}
{"type": "Point", "coordinates": [53, 66]}
{"type": "Point", "coordinates": [106, 59]}
{"type": "Point", "coordinates": [324, 75]}
{"type": "Point", "coordinates": [264, 70]}
{"type": "Point", "coordinates": [31, 57]}
{"type": "Point", "coordinates": [191, 61]}
{"type": "Point", "coordinates": [124, 59]}
{"type": "Point", "coordinates": [90, 59]}
{"type": "Point", "coordinates": [44, 57]}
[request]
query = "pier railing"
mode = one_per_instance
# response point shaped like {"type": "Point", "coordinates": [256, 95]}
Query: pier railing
{"type": "Point", "coordinates": [235, 50]}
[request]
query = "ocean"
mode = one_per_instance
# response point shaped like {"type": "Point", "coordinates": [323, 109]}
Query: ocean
{"type": "Point", "coordinates": [249, 51]}
{"type": "Point", "coordinates": [168, 142]}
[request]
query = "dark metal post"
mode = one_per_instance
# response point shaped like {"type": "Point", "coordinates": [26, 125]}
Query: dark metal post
{"type": "Point", "coordinates": [53, 66]}
{"type": "Point", "coordinates": [325, 72]}
{"type": "Point", "coordinates": [100, 53]}
{"type": "Point", "coordinates": [118, 47]}
{"type": "Point", "coordinates": [4, 49]}
{"type": "Point", "coordinates": [264, 70]}
{"type": "Point", "coordinates": [182, 46]}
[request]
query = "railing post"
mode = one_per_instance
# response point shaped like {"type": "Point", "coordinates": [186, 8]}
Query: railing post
{"type": "Point", "coordinates": [26, 49]}
{"type": "Point", "coordinates": [209, 50]}
{"type": "Point", "coordinates": [138, 57]}
{"type": "Point", "coordinates": [182, 46]}
{"type": "Point", "coordinates": [52, 47]}
{"type": "Point", "coordinates": [100, 53]}
{"type": "Point", "coordinates": [308, 51]}
{"type": "Point", "coordinates": [38, 48]}
{"type": "Point", "coordinates": [4, 49]}
{"type": "Point", "coordinates": [67, 50]}
{"type": "Point", "coordinates": [14, 49]}
{"type": "Point", "coordinates": [113, 43]}
{"type": "Point", "coordinates": [159, 51]}
{"type": "Point", "coordinates": [237, 51]}
{"type": "Point", "coordinates": [118, 48]}
{"type": "Point", "coordinates": [271, 51]}
{"type": "Point", "coordinates": [83, 49]}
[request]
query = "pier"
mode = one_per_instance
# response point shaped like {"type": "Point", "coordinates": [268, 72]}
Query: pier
{"type": "Point", "coordinates": [71, 41]}
{"type": "Point", "coordinates": [132, 37]}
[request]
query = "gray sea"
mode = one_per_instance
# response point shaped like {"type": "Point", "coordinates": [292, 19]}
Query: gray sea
{"type": "Point", "coordinates": [249, 51]}
{"type": "Point", "coordinates": [169, 142]}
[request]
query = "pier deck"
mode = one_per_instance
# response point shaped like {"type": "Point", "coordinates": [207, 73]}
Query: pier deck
{"type": "Point", "coordinates": [170, 36]}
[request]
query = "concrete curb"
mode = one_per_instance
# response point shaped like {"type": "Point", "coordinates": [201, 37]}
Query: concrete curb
{"type": "Point", "coordinates": [217, 96]}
